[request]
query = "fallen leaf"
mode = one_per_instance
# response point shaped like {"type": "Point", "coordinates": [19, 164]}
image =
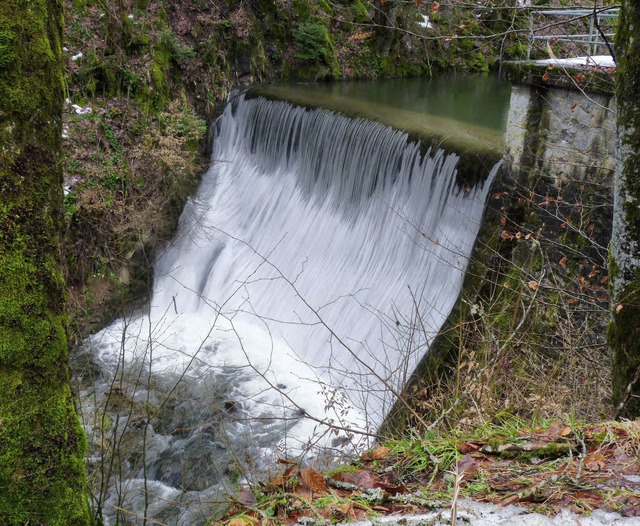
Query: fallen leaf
{"type": "Point", "coordinates": [468, 447]}
{"type": "Point", "coordinates": [631, 511]}
{"type": "Point", "coordinates": [304, 492]}
{"type": "Point", "coordinates": [314, 480]}
{"type": "Point", "coordinates": [595, 461]}
{"type": "Point", "coordinates": [619, 308]}
{"type": "Point", "coordinates": [467, 465]}
{"type": "Point", "coordinates": [533, 285]}
{"type": "Point", "coordinates": [508, 500]}
{"type": "Point", "coordinates": [281, 480]}
{"type": "Point", "coordinates": [246, 497]}
{"type": "Point", "coordinates": [237, 522]}
{"type": "Point", "coordinates": [505, 235]}
{"type": "Point", "coordinates": [563, 261]}
{"type": "Point", "coordinates": [435, 7]}
{"type": "Point", "coordinates": [558, 429]}
{"type": "Point", "coordinates": [377, 453]}
{"type": "Point", "coordinates": [346, 508]}
{"type": "Point", "coordinates": [361, 478]}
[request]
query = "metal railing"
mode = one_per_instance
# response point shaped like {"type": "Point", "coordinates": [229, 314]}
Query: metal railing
{"type": "Point", "coordinates": [592, 40]}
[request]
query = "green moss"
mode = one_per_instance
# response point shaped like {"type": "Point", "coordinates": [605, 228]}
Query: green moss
{"type": "Point", "coordinates": [7, 54]}
{"type": "Point", "coordinates": [325, 7]}
{"type": "Point", "coordinates": [360, 12]}
{"type": "Point", "coordinates": [302, 8]}
{"type": "Point", "coordinates": [624, 338]}
{"type": "Point", "coordinates": [42, 477]}
{"type": "Point", "coordinates": [624, 331]}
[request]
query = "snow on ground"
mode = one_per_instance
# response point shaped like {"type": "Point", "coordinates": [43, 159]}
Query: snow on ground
{"type": "Point", "coordinates": [604, 61]}
{"type": "Point", "coordinates": [425, 22]}
{"type": "Point", "coordinates": [479, 514]}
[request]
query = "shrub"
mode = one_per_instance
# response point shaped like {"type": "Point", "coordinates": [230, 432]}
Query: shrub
{"type": "Point", "coordinates": [313, 42]}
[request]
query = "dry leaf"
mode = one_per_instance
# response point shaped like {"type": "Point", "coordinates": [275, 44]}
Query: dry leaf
{"type": "Point", "coordinates": [304, 492]}
{"type": "Point", "coordinates": [508, 500]}
{"type": "Point", "coordinates": [281, 480]}
{"type": "Point", "coordinates": [246, 497]}
{"type": "Point", "coordinates": [314, 480]}
{"type": "Point", "coordinates": [563, 261]}
{"type": "Point", "coordinates": [467, 465]}
{"type": "Point", "coordinates": [565, 432]}
{"type": "Point", "coordinates": [377, 453]}
{"type": "Point", "coordinates": [468, 447]}
{"type": "Point", "coordinates": [237, 522]}
{"type": "Point", "coordinates": [418, 3]}
{"type": "Point", "coordinates": [533, 285]}
{"type": "Point", "coordinates": [619, 308]}
{"type": "Point", "coordinates": [506, 235]}
{"type": "Point", "coordinates": [361, 478]}
{"type": "Point", "coordinates": [435, 7]}
{"type": "Point", "coordinates": [595, 461]}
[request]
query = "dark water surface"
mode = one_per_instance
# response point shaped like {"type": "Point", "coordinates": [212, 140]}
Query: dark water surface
{"type": "Point", "coordinates": [481, 100]}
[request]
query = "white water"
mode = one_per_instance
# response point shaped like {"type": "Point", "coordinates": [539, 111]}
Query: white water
{"type": "Point", "coordinates": [318, 259]}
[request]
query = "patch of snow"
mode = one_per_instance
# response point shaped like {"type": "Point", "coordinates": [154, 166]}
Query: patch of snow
{"type": "Point", "coordinates": [524, 3]}
{"type": "Point", "coordinates": [68, 185]}
{"type": "Point", "coordinates": [130, 16]}
{"type": "Point", "coordinates": [65, 133]}
{"type": "Point", "coordinates": [76, 57]}
{"type": "Point", "coordinates": [425, 22]}
{"type": "Point", "coordinates": [65, 49]}
{"type": "Point", "coordinates": [80, 110]}
{"type": "Point", "coordinates": [481, 514]}
{"type": "Point", "coordinates": [604, 61]}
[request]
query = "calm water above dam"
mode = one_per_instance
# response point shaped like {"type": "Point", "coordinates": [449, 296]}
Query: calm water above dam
{"type": "Point", "coordinates": [480, 100]}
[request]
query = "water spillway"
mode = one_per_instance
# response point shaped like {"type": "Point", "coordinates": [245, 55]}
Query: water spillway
{"type": "Point", "coordinates": [318, 259]}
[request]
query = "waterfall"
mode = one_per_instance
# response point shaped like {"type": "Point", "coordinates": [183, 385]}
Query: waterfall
{"type": "Point", "coordinates": [318, 259]}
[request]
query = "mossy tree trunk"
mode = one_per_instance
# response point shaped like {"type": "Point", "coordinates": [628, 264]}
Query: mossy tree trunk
{"type": "Point", "coordinates": [624, 330]}
{"type": "Point", "coordinates": [42, 445]}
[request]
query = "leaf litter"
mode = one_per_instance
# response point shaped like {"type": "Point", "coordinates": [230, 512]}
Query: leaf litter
{"type": "Point", "coordinates": [544, 469]}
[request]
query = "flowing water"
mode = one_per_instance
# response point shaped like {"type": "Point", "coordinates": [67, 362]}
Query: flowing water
{"type": "Point", "coordinates": [318, 259]}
